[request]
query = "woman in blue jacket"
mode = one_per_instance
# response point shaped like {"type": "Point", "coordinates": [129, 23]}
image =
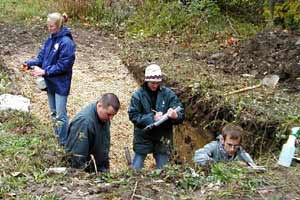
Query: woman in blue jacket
{"type": "Point", "coordinates": [54, 63]}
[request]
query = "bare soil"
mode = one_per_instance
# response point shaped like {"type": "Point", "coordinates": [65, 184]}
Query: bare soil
{"type": "Point", "coordinates": [269, 52]}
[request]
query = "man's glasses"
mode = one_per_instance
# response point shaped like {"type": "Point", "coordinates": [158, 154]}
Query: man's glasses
{"type": "Point", "coordinates": [234, 146]}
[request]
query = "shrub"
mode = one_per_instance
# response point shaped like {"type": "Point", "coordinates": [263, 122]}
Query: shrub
{"type": "Point", "coordinates": [287, 15]}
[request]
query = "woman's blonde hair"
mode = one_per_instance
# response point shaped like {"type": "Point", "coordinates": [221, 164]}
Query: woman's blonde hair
{"type": "Point", "coordinates": [57, 18]}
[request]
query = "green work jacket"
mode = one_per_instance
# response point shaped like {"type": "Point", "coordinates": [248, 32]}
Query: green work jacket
{"type": "Point", "coordinates": [88, 135]}
{"type": "Point", "coordinates": [141, 115]}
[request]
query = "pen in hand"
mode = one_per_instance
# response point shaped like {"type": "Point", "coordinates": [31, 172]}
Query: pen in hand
{"type": "Point", "coordinates": [154, 111]}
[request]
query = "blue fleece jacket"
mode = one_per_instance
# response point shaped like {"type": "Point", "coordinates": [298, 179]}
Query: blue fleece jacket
{"type": "Point", "coordinates": [57, 57]}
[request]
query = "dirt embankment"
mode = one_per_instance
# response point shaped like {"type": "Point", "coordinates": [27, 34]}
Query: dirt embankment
{"type": "Point", "coordinates": [269, 52]}
{"type": "Point", "coordinates": [201, 79]}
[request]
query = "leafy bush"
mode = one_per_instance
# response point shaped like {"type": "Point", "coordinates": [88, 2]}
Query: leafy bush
{"type": "Point", "coordinates": [88, 10]}
{"type": "Point", "coordinates": [248, 10]}
{"type": "Point", "coordinates": [244, 8]}
{"type": "Point", "coordinates": [189, 24]}
{"type": "Point", "coordinates": [287, 14]}
{"type": "Point", "coordinates": [155, 18]}
{"type": "Point", "coordinates": [207, 7]}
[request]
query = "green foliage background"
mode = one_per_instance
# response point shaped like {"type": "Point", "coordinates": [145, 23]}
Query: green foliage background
{"type": "Point", "coordinates": [189, 21]}
{"type": "Point", "coordinates": [287, 15]}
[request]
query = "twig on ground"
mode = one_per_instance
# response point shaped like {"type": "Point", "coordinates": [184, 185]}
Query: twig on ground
{"type": "Point", "coordinates": [142, 197]}
{"type": "Point", "coordinates": [94, 162]}
{"type": "Point", "coordinates": [273, 187]}
{"type": "Point", "coordinates": [230, 24]}
{"type": "Point", "coordinates": [133, 193]}
{"type": "Point", "coordinates": [262, 196]}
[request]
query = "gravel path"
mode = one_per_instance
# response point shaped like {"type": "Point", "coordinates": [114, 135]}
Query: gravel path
{"type": "Point", "coordinates": [97, 70]}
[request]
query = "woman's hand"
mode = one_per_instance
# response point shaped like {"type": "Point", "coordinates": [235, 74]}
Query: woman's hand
{"type": "Point", "coordinates": [37, 71]}
{"type": "Point", "coordinates": [172, 113]}
{"type": "Point", "coordinates": [158, 116]}
{"type": "Point", "coordinates": [24, 67]}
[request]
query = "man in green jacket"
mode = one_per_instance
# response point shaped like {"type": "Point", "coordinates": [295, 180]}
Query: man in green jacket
{"type": "Point", "coordinates": [89, 134]}
{"type": "Point", "coordinates": [148, 105]}
{"type": "Point", "coordinates": [227, 148]}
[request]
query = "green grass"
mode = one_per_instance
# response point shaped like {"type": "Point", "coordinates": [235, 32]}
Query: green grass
{"type": "Point", "coordinates": [25, 143]}
{"type": "Point", "coordinates": [155, 18]}
{"type": "Point", "coordinates": [5, 82]}
{"type": "Point", "coordinates": [189, 27]}
{"type": "Point", "coordinates": [10, 184]}
{"type": "Point", "coordinates": [17, 10]}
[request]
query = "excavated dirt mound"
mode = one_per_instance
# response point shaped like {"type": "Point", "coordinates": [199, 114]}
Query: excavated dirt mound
{"type": "Point", "coordinates": [269, 52]}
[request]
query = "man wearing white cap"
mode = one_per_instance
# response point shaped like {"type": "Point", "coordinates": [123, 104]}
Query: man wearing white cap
{"type": "Point", "coordinates": [148, 105]}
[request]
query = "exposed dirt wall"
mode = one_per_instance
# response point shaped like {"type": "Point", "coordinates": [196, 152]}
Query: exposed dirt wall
{"type": "Point", "coordinates": [201, 78]}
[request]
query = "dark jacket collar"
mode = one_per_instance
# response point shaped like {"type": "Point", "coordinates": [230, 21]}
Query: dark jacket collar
{"type": "Point", "coordinates": [96, 113]}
